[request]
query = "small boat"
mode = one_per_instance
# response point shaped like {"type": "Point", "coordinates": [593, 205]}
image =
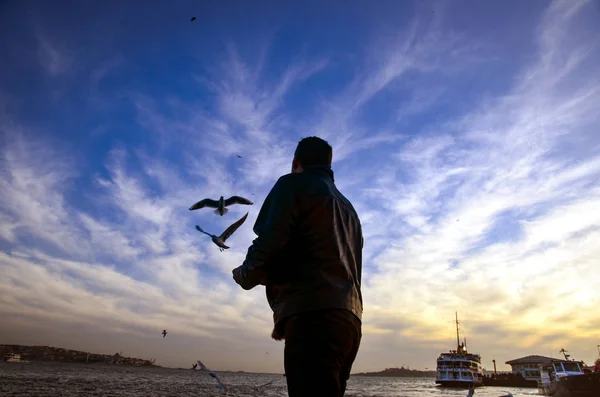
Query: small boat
{"type": "Point", "coordinates": [459, 368]}
{"type": "Point", "coordinates": [566, 378]}
{"type": "Point", "coordinates": [14, 358]}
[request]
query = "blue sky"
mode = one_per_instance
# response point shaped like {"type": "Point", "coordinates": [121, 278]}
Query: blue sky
{"type": "Point", "coordinates": [465, 134]}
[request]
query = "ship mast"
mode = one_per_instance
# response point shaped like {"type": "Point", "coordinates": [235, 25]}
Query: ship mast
{"type": "Point", "coordinates": [457, 337]}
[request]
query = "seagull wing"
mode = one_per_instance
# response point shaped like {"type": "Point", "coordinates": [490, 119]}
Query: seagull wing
{"type": "Point", "coordinates": [202, 231]}
{"type": "Point", "coordinates": [237, 200]}
{"type": "Point", "coordinates": [221, 385]}
{"type": "Point", "coordinates": [202, 366]}
{"type": "Point", "coordinates": [214, 375]}
{"type": "Point", "coordinates": [205, 203]}
{"type": "Point", "coordinates": [231, 229]}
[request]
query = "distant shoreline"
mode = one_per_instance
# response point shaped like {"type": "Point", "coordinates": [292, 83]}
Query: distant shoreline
{"type": "Point", "coordinates": [399, 373]}
{"type": "Point", "coordinates": [58, 354]}
{"type": "Point", "coordinates": [38, 353]}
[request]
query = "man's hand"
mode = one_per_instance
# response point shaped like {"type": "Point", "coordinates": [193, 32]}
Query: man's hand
{"type": "Point", "coordinates": [237, 275]}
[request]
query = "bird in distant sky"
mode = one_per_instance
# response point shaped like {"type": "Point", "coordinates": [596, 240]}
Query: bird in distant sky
{"type": "Point", "coordinates": [193, 19]}
{"type": "Point", "coordinates": [164, 333]}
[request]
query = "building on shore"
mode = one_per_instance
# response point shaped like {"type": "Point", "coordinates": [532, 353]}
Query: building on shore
{"type": "Point", "coordinates": [528, 366]}
{"type": "Point", "coordinates": [492, 372]}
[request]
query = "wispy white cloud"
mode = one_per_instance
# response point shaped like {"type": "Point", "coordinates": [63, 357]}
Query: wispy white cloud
{"type": "Point", "coordinates": [54, 57]}
{"type": "Point", "coordinates": [502, 162]}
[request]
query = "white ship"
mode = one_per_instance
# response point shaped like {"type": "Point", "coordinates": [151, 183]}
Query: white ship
{"type": "Point", "coordinates": [459, 368]}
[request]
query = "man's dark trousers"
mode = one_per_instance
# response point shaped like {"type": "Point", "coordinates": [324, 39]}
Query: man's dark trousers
{"type": "Point", "coordinates": [320, 348]}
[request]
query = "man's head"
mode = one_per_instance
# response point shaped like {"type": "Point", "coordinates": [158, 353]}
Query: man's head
{"type": "Point", "coordinates": [311, 150]}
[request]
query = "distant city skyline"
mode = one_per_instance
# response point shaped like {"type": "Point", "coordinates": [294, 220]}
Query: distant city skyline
{"type": "Point", "coordinates": [465, 134]}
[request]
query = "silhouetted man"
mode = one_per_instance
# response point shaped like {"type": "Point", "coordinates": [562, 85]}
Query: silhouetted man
{"type": "Point", "coordinates": [308, 254]}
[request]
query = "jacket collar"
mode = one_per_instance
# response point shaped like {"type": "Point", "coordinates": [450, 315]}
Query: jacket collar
{"type": "Point", "coordinates": [321, 168]}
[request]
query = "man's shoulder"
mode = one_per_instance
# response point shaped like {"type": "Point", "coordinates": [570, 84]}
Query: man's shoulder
{"type": "Point", "coordinates": [286, 181]}
{"type": "Point", "coordinates": [286, 177]}
{"type": "Point", "coordinates": [293, 179]}
{"type": "Point", "coordinates": [285, 185]}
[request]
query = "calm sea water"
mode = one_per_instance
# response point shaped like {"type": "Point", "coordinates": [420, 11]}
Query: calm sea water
{"type": "Point", "coordinates": [57, 379]}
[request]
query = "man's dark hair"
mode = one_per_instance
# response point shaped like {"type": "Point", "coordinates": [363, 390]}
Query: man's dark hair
{"type": "Point", "coordinates": [313, 150]}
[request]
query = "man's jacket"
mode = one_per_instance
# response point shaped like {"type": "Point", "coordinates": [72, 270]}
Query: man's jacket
{"type": "Point", "coordinates": [308, 252]}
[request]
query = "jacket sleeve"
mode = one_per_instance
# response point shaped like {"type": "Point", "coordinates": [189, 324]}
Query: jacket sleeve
{"type": "Point", "coordinates": [273, 225]}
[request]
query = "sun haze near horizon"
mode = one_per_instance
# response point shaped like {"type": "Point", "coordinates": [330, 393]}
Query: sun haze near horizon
{"type": "Point", "coordinates": [465, 136]}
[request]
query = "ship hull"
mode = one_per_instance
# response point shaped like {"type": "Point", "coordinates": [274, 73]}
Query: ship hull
{"type": "Point", "coordinates": [586, 385]}
{"type": "Point", "coordinates": [509, 382]}
{"type": "Point", "coordinates": [457, 383]}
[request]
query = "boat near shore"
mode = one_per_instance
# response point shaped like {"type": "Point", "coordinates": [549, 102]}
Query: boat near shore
{"type": "Point", "coordinates": [567, 378]}
{"type": "Point", "coordinates": [459, 368]}
{"type": "Point", "coordinates": [12, 358]}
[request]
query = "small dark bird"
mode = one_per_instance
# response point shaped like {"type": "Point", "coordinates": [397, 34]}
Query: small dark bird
{"type": "Point", "coordinates": [220, 240]}
{"type": "Point", "coordinates": [238, 155]}
{"type": "Point", "coordinates": [193, 19]}
{"type": "Point", "coordinates": [195, 366]}
{"type": "Point", "coordinates": [220, 204]}
{"type": "Point", "coordinates": [164, 333]}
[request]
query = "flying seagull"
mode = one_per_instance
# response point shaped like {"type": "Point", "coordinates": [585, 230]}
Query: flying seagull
{"type": "Point", "coordinates": [193, 19]}
{"type": "Point", "coordinates": [164, 333]}
{"type": "Point", "coordinates": [220, 240]}
{"type": "Point", "coordinates": [212, 373]}
{"type": "Point", "coordinates": [220, 204]}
